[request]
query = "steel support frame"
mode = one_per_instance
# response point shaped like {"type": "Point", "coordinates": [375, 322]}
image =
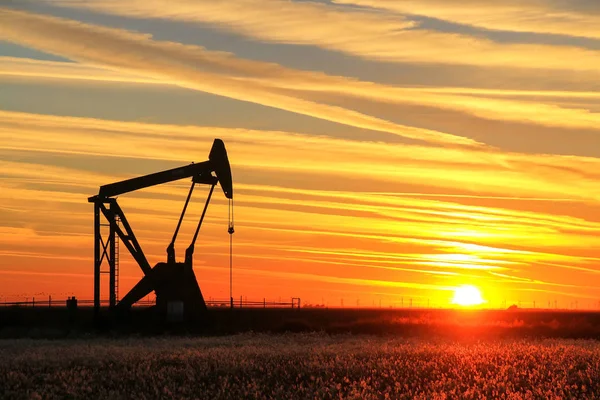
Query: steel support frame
{"type": "Point", "coordinates": [104, 251]}
{"type": "Point", "coordinates": [105, 246]}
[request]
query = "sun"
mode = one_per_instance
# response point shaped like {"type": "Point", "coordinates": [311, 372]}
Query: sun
{"type": "Point", "coordinates": [467, 295]}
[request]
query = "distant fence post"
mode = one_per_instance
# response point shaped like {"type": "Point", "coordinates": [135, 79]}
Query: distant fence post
{"type": "Point", "coordinates": [49, 301]}
{"type": "Point", "coordinates": [296, 300]}
{"type": "Point", "coordinates": [240, 301]}
{"type": "Point", "coordinates": [264, 302]}
{"type": "Point", "coordinates": [33, 302]}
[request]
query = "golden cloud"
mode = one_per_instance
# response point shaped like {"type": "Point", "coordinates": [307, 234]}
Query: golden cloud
{"type": "Point", "coordinates": [383, 37]}
{"type": "Point", "coordinates": [483, 103]}
{"type": "Point", "coordinates": [181, 65]}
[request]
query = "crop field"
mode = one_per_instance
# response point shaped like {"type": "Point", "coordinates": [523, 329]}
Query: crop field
{"type": "Point", "coordinates": [299, 366]}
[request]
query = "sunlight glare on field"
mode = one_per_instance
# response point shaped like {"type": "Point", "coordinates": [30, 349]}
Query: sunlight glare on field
{"type": "Point", "coordinates": [467, 296]}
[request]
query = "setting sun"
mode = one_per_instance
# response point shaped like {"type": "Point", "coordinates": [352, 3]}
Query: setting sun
{"type": "Point", "coordinates": [467, 295]}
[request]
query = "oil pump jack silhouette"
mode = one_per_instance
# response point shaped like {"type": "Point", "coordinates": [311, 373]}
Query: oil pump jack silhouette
{"type": "Point", "coordinates": [173, 282]}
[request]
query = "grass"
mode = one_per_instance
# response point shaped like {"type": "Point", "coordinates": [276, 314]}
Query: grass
{"type": "Point", "coordinates": [299, 366]}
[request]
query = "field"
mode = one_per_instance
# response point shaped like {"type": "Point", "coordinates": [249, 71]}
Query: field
{"type": "Point", "coordinates": [55, 323]}
{"type": "Point", "coordinates": [299, 366]}
{"type": "Point", "coordinates": [300, 354]}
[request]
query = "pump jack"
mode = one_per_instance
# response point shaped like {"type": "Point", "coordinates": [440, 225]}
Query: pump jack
{"type": "Point", "coordinates": [172, 281]}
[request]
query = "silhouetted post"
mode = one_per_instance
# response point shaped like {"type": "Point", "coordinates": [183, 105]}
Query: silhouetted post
{"type": "Point", "coordinates": [231, 301]}
{"type": "Point", "coordinates": [72, 308]}
{"type": "Point", "coordinates": [534, 304]}
{"type": "Point", "coordinates": [402, 302]}
{"type": "Point", "coordinates": [97, 236]}
{"type": "Point", "coordinates": [49, 301]}
{"type": "Point", "coordinates": [240, 301]}
{"type": "Point", "coordinates": [264, 302]}
{"type": "Point", "coordinates": [112, 265]}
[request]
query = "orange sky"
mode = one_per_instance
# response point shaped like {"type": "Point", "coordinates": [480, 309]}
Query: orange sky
{"type": "Point", "coordinates": [380, 153]}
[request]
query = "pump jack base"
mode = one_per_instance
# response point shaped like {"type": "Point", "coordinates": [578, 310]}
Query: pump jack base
{"type": "Point", "coordinates": [178, 296]}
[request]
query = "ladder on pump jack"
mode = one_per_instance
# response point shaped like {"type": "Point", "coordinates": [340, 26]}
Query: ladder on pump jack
{"type": "Point", "coordinates": [117, 241]}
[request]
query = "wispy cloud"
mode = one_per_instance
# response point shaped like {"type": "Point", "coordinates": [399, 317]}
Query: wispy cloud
{"type": "Point", "coordinates": [304, 84]}
{"type": "Point", "coordinates": [522, 174]}
{"type": "Point", "coordinates": [380, 36]}
{"type": "Point", "coordinates": [539, 16]}
{"type": "Point", "coordinates": [186, 66]}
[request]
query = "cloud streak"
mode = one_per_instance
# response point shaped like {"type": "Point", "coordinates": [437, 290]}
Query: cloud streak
{"type": "Point", "coordinates": [376, 35]}
{"type": "Point", "coordinates": [546, 176]}
{"type": "Point", "coordinates": [539, 16]}
{"type": "Point", "coordinates": [303, 84]}
{"type": "Point", "coordinates": [180, 64]}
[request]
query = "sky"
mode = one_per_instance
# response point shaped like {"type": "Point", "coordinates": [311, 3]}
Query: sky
{"type": "Point", "coordinates": [382, 151]}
